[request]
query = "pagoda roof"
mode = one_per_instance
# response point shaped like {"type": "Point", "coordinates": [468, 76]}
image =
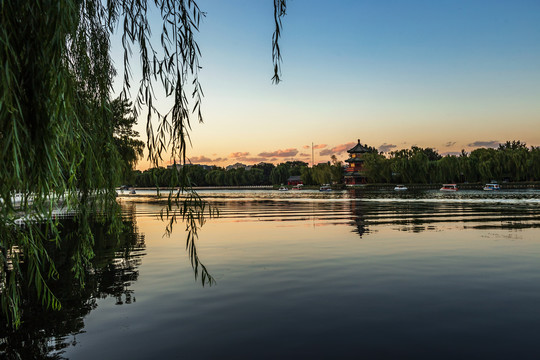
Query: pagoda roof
{"type": "Point", "coordinates": [354, 160]}
{"type": "Point", "coordinates": [355, 174]}
{"type": "Point", "coordinates": [358, 148]}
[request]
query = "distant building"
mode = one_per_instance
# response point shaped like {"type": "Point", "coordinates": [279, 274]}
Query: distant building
{"type": "Point", "coordinates": [205, 167]}
{"type": "Point", "coordinates": [238, 166]}
{"type": "Point", "coordinates": [355, 172]}
{"type": "Point", "coordinates": [178, 166]}
{"type": "Point", "coordinates": [294, 180]}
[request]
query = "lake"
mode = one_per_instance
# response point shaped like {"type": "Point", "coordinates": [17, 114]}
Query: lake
{"type": "Point", "coordinates": [345, 274]}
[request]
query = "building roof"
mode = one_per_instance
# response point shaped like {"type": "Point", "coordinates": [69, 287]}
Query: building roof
{"type": "Point", "coordinates": [354, 160]}
{"type": "Point", "coordinates": [294, 178]}
{"type": "Point", "coordinates": [358, 148]}
{"type": "Point", "coordinates": [355, 174]}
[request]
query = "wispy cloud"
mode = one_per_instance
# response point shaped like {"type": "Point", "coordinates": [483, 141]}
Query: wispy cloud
{"type": "Point", "coordinates": [450, 144]}
{"type": "Point", "coordinates": [337, 150]}
{"type": "Point", "coordinates": [386, 147]}
{"type": "Point", "coordinates": [316, 146]}
{"type": "Point", "coordinates": [488, 144]}
{"type": "Point", "coordinates": [279, 153]}
{"type": "Point", "coordinates": [254, 159]}
{"type": "Point", "coordinates": [205, 160]}
{"type": "Point", "coordinates": [238, 154]}
{"type": "Point", "coordinates": [200, 159]}
{"type": "Point", "coordinates": [244, 157]}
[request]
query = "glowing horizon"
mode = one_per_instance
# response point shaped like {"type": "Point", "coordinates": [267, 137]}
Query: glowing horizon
{"type": "Point", "coordinates": [445, 75]}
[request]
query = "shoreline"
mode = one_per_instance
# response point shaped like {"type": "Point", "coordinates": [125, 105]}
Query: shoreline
{"type": "Point", "coordinates": [367, 187]}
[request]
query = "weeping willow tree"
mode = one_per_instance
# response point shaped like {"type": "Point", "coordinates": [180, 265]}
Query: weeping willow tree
{"type": "Point", "coordinates": [56, 134]}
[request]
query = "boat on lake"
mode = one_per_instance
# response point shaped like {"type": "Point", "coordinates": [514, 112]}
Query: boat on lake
{"type": "Point", "coordinates": [400, 188]}
{"type": "Point", "coordinates": [283, 188]}
{"type": "Point", "coordinates": [492, 186]}
{"type": "Point", "coordinates": [325, 187]}
{"type": "Point", "coordinates": [449, 187]}
{"type": "Point", "coordinates": [297, 187]}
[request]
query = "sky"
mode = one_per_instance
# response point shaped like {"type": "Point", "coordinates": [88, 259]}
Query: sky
{"type": "Point", "coordinates": [445, 74]}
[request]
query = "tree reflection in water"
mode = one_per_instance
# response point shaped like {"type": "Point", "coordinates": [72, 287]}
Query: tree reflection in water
{"type": "Point", "coordinates": [43, 334]}
{"type": "Point", "coordinates": [358, 210]}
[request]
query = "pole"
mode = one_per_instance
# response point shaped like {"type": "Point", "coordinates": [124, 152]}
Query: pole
{"type": "Point", "coordinates": [312, 156]}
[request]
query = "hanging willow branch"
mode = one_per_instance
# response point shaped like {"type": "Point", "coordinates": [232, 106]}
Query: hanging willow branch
{"type": "Point", "coordinates": [56, 132]}
{"type": "Point", "coordinates": [175, 66]}
{"type": "Point", "coordinates": [280, 10]}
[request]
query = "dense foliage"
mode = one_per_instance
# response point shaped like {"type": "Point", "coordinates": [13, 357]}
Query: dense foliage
{"type": "Point", "coordinates": [129, 148]}
{"type": "Point", "coordinates": [260, 174]}
{"type": "Point", "coordinates": [511, 161]}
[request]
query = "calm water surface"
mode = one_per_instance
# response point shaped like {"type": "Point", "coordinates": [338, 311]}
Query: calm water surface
{"type": "Point", "coordinates": [375, 275]}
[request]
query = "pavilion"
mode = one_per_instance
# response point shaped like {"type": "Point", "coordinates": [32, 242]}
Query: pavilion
{"type": "Point", "coordinates": [355, 172]}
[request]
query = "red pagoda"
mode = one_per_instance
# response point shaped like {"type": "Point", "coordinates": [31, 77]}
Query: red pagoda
{"type": "Point", "coordinates": [355, 173]}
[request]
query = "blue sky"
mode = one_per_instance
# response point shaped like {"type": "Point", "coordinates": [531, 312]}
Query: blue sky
{"type": "Point", "coordinates": [450, 75]}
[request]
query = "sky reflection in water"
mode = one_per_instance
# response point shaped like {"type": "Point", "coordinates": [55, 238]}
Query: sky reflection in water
{"type": "Point", "coordinates": [374, 275]}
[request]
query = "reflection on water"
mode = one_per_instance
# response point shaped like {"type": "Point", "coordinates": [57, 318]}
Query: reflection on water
{"type": "Point", "coordinates": [322, 275]}
{"type": "Point", "coordinates": [45, 334]}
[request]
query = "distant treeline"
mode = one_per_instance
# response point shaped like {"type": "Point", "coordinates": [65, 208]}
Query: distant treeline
{"type": "Point", "coordinates": [511, 161]}
{"type": "Point", "coordinates": [260, 174]}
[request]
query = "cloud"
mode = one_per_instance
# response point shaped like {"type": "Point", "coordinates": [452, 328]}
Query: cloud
{"type": "Point", "coordinates": [336, 150]}
{"type": "Point", "coordinates": [239, 154]}
{"type": "Point", "coordinates": [488, 144]}
{"type": "Point", "coordinates": [280, 153]}
{"type": "Point", "coordinates": [316, 146]}
{"type": "Point", "coordinates": [205, 160]}
{"type": "Point", "coordinates": [304, 154]}
{"type": "Point", "coordinates": [200, 159]}
{"type": "Point", "coordinates": [450, 144]}
{"type": "Point", "coordinates": [387, 147]}
{"type": "Point", "coordinates": [244, 157]}
{"type": "Point", "coordinates": [254, 159]}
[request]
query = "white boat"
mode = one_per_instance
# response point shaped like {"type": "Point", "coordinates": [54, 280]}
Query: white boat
{"type": "Point", "coordinates": [283, 188]}
{"type": "Point", "coordinates": [298, 187]}
{"type": "Point", "coordinates": [325, 187]}
{"type": "Point", "coordinates": [491, 187]}
{"type": "Point", "coordinates": [400, 188]}
{"type": "Point", "coordinates": [449, 187]}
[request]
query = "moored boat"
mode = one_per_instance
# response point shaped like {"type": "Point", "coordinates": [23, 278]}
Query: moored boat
{"type": "Point", "coordinates": [297, 187]}
{"type": "Point", "coordinates": [283, 188]}
{"type": "Point", "coordinates": [492, 186]}
{"type": "Point", "coordinates": [325, 187]}
{"type": "Point", "coordinates": [400, 188]}
{"type": "Point", "coordinates": [449, 187]}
